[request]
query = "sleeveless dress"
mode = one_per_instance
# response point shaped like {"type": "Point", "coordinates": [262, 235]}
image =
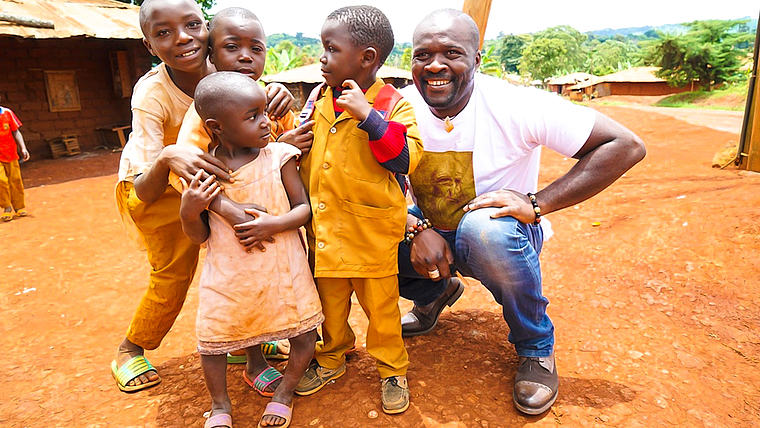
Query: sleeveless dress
{"type": "Point", "coordinates": [245, 299]}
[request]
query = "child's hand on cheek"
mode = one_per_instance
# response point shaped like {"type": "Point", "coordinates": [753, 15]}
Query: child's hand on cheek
{"type": "Point", "coordinates": [352, 100]}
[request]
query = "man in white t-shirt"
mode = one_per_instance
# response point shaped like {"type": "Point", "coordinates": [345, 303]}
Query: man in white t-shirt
{"type": "Point", "coordinates": [476, 185]}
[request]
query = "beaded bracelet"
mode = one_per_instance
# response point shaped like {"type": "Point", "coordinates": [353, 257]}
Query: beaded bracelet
{"type": "Point", "coordinates": [413, 231]}
{"type": "Point", "coordinates": [536, 208]}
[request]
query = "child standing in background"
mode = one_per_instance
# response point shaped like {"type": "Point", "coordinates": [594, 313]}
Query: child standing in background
{"type": "Point", "coordinates": [249, 297]}
{"type": "Point", "coordinates": [11, 185]}
{"type": "Point", "coordinates": [358, 209]}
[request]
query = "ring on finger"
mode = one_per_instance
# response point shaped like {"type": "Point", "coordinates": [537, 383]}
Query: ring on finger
{"type": "Point", "coordinates": [433, 274]}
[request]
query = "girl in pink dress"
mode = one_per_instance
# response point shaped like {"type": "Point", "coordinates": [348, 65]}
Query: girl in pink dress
{"type": "Point", "coordinates": [256, 285]}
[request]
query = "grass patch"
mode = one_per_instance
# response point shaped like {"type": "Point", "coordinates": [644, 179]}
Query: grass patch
{"type": "Point", "coordinates": [732, 97]}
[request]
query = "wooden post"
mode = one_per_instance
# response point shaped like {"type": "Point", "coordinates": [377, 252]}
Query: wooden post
{"type": "Point", "coordinates": [748, 156]}
{"type": "Point", "coordinates": [29, 22]}
{"type": "Point", "coordinates": [478, 11]}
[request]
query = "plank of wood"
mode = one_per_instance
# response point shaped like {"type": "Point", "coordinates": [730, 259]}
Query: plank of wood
{"type": "Point", "coordinates": [478, 11]}
{"type": "Point", "coordinates": [26, 21]}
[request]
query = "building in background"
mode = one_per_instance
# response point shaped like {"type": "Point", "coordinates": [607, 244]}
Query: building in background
{"type": "Point", "coordinates": [67, 68]}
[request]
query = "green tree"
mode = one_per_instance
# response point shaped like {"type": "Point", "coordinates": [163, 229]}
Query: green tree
{"type": "Point", "coordinates": [283, 57]}
{"type": "Point", "coordinates": [553, 52]}
{"type": "Point", "coordinates": [610, 56]}
{"type": "Point", "coordinates": [710, 53]}
{"type": "Point", "coordinates": [490, 65]}
{"type": "Point", "coordinates": [204, 4]}
{"type": "Point", "coordinates": [512, 51]}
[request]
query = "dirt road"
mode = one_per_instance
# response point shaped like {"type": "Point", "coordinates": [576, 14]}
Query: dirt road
{"type": "Point", "coordinates": [657, 310]}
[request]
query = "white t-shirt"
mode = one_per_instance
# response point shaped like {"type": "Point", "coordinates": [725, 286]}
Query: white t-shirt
{"type": "Point", "coordinates": [495, 144]}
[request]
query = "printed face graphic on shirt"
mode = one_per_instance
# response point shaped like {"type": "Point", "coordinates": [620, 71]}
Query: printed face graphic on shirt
{"type": "Point", "coordinates": [443, 184]}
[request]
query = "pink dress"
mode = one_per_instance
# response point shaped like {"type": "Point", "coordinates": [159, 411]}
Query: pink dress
{"type": "Point", "coordinates": [245, 299]}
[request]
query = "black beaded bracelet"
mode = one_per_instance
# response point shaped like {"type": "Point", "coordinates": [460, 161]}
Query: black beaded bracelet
{"type": "Point", "coordinates": [421, 225]}
{"type": "Point", "coordinates": [536, 208]}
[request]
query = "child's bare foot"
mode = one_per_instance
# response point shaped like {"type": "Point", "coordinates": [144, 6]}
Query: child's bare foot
{"type": "Point", "coordinates": [224, 408]}
{"type": "Point", "coordinates": [277, 413]}
{"type": "Point", "coordinates": [127, 351]}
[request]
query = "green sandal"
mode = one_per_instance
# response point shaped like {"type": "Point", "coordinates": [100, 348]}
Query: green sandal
{"type": "Point", "coordinates": [136, 366]}
{"type": "Point", "coordinates": [269, 349]}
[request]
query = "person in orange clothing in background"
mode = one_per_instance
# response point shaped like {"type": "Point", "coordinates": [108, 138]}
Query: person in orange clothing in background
{"type": "Point", "coordinates": [11, 185]}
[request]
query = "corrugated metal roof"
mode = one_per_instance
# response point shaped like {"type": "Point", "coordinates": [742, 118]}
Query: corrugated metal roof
{"type": "Point", "coordinates": [635, 74]}
{"type": "Point", "coordinates": [631, 75]}
{"type": "Point", "coordinates": [311, 74]}
{"type": "Point", "coordinates": [570, 79]}
{"type": "Point", "coordinates": [102, 19]}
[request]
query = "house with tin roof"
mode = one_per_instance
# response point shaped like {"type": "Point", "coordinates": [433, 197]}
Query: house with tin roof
{"type": "Point", "coordinates": [301, 80]}
{"type": "Point", "coordinates": [68, 68]}
{"type": "Point", "coordinates": [633, 81]}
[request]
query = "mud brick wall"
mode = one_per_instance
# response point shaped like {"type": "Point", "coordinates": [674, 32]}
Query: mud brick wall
{"type": "Point", "coordinates": [22, 87]}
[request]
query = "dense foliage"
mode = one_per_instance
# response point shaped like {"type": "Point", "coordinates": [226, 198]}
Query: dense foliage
{"type": "Point", "coordinates": [705, 53]}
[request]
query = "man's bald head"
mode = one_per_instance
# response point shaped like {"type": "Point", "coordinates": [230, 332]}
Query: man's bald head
{"type": "Point", "coordinates": [456, 23]}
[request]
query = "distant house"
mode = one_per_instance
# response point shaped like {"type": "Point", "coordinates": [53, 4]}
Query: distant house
{"type": "Point", "coordinates": [67, 68]}
{"type": "Point", "coordinates": [559, 85]}
{"type": "Point", "coordinates": [301, 80]}
{"type": "Point", "coordinates": [633, 81]}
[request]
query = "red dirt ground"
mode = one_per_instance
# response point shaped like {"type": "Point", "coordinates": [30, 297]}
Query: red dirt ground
{"type": "Point", "coordinates": [657, 310]}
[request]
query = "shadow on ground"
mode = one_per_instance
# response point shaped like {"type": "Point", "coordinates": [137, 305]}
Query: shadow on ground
{"type": "Point", "coordinates": [460, 375]}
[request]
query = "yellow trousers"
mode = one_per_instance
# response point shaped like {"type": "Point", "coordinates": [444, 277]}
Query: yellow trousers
{"type": "Point", "coordinates": [11, 186]}
{"type": "Point", "coordinates": [171, 255]}
{"type": "Point", "coordinates": [379, 299]}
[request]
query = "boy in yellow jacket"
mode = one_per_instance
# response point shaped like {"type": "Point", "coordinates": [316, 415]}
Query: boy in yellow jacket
{"type": "Point", "coordinates": [358, 207]}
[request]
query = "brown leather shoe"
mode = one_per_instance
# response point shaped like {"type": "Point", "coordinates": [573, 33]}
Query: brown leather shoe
{"type": "Point", "coordinates": [536, 384]}
{"type": "Point", "coordinates": [422, 319]}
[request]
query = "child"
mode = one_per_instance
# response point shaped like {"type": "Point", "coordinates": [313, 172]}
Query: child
{"type": "Point", "coordinates": [237, 43]}
{"type": "Point", "coordinates": [176, 32]}
{"type": "Point", "coordinates": [358, 209]}
{"type": "Point", "coordinates": [11, 185]}
{"type": "Point", "coordinates": [249, 297]}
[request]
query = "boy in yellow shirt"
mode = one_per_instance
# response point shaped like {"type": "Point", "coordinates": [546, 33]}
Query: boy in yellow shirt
{"type": "Point", "coordinates": [358, 207]}
{"type": "Point", "coordinates": [176, 32]}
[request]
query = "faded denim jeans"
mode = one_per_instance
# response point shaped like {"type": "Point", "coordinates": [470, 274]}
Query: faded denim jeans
{"type": "Point", "coordinates": [502, 254]}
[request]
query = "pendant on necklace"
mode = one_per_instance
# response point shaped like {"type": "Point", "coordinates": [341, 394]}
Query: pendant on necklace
{"type": "Point", "coordinates": [447, 125]}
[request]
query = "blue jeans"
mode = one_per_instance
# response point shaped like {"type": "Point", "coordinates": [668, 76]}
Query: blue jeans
{"type": "Point", "coordinates": [502, 254]}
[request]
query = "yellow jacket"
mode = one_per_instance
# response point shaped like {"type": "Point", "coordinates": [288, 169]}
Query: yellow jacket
{"type": "Point", "coordinates": [358, 209]}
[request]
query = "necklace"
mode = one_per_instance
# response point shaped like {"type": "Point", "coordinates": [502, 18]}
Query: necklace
{"type": "Point", "coordinates": [447, 125]}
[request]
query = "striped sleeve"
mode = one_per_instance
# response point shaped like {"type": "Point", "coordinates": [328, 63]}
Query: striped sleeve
{"type": "Point", "coordinates": [387, 141]}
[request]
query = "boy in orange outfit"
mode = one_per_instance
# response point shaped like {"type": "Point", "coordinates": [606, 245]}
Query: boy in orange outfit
{"type": "Point", "coordinates": [176, 32]}
{"type": "Point", "coordinates": [358, 208]}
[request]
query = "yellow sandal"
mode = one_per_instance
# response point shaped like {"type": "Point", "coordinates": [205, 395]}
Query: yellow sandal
{"type": "Point", "coordinates": [7, 216]}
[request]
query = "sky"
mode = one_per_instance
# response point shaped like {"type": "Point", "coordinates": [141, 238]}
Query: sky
{"type": "Point", "coordinates": [507, 16]}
